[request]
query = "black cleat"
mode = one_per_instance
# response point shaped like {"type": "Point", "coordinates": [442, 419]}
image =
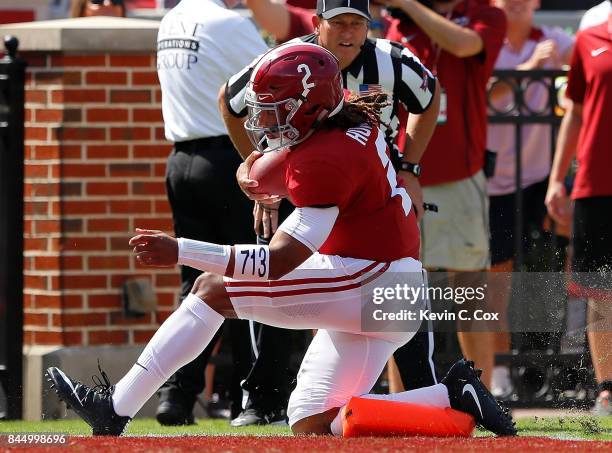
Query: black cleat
{"type": "Point", "coordinates": [175, 408]}
{"type": "Point", "coordinates": [171, 414]}
{"type": "Point", "coordinates": [94, 405]}
{"type": "Point", "coordinates": [467, 394]}
{"type": "Point", "coordinates": [255, 416]}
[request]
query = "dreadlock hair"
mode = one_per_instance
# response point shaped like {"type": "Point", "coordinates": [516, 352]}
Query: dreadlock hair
{"type": "Point", "coordinates": [359, 109]}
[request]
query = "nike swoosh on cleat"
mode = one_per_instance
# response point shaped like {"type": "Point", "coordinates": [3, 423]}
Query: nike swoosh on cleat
{"type": "Point", "coordinates": [69, 382]}
{"type": "Point", "coordinates": [470, 388]}
{"type": "Point", "coordinates": [142, 366]}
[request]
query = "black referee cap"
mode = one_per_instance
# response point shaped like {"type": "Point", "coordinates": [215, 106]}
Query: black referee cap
{"type": "Point", "coordinates": [330, 8]}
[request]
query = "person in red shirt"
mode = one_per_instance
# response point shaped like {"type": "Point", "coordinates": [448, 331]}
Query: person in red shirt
{"type": "Point", "coordinates": [586, 131]}
{"type": "Point", "coordinates": [317, 269]}
{"type": "Point", "coordinates": [459, 40]}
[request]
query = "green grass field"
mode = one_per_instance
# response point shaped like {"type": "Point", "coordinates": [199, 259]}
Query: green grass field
{"type": "Point", "coordinates": [578, 427]}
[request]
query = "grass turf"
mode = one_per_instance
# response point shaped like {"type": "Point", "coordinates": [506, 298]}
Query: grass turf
{"type": "Point", "coordinates": [578, 427]}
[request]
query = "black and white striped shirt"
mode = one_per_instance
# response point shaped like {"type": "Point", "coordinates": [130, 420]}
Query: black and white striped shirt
{"type": "Point", "coordinates": [381, 65]}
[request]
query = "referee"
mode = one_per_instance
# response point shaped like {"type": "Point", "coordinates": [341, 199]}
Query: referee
{"type": "Point", "coordinates": [200, 44]}
{"type": "Point", "coordinates": [368, 65]}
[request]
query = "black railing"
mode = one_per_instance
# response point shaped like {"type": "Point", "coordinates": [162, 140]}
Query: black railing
{"type": "Point", "coordinates": [542, 373]}
{"type": "Point", "coordinates": [520, 113]}
{"type": "Point", "coordinates": [12, 79]}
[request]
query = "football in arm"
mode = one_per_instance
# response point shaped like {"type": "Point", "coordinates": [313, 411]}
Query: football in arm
{"type": "Point", "coordinates": [269, 172]}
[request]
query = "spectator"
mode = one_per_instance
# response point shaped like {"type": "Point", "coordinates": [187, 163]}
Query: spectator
{"type": "Point", "coordinates": [460, 41]}
{"type": "Point", "coordinates": [367, 65]}
{"type": "Point", "coordinates": [586, 131]}
{"type": "Point", "coordinates": [526, 47]}
{"type": "Point", "coordinates": [192, 63]}
{"type": "Point", "coordinates": [87, 8]}
{"type": "Point", "coordinates": [598, 14]}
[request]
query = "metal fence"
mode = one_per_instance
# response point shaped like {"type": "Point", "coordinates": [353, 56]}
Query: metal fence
{"type": "Point", "coordinates": [520, 113]}
{"type": "Point", "coordinates": [542, 371]}
{"type": "Point", "coordinates": [12, 78]}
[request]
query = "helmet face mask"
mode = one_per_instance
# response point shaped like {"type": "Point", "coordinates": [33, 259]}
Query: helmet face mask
{"type": "Point", "coordinates": [268, 125]}
{"type": "Point", "coordinates": [292, 89]}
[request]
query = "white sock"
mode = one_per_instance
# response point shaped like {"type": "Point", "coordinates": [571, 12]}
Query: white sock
{"type": "Point", "coordinates": [336, 424]}
{"type": "Point", "coordinates": [179, 340]}
{"type": "Point", "coordinates": [435, 395]}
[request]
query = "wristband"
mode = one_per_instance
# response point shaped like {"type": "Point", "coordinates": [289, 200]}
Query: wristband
{"type": "Point", "coordinates": [251, 262]}
{"type": "Point", "coordinates": [203, 255]}
{"type": "Point", "coordinates": [415, 169]}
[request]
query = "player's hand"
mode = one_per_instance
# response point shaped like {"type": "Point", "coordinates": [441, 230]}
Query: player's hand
{"type": "Point", "coordinates": [266, 215]}
{"type": "Point", "coordinates": [545, 51]}
{"type": "Point", "coordinates": [154, 248]}
{"type": "Point", "coordinates": [246, 184]}
{"type": "Point", "coordinates": [558, 203]}
{"type": "Point", "coordinates": [413, 187]}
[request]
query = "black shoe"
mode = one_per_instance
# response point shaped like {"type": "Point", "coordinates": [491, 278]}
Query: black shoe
{"type": "Point", "coordinates": [468, 394]}
{"type": "Point", "coordinates": [94, 405]}
{"type": "Point", "coordinates": [257, 416]}
{"type": "Point", "coordinates": [174, 408]}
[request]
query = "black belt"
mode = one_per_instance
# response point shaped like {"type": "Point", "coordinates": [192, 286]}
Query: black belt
{"type": "Point", "coordinates": [221, 141]}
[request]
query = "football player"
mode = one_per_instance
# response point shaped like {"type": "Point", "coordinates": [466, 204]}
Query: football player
{"type": "Point", "coordinates": [339, 176]}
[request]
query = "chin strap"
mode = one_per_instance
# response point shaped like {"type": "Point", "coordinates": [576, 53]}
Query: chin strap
{"type": "Point", "coordinates": [337, 108]}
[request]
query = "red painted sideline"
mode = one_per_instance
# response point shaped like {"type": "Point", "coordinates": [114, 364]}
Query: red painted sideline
{"type": "Point", "coordinates": [306, 444]}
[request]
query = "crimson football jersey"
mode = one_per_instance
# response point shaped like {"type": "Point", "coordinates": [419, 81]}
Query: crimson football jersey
{"type": "Point", "coordinates": [351, 169]}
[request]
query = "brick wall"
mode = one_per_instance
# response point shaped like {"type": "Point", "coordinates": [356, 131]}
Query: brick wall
{"type": "Point", "coordinates": [94, 169]}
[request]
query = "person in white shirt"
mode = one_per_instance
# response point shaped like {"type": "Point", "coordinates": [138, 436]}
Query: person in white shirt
{"type": "Point", "coordinates": [200, 44]}
{"type": "Point", "coordinates": [526, 47]}
{"type": "Point", "coordinates": [598, 14]}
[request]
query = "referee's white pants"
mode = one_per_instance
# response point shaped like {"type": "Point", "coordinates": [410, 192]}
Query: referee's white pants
{"type": "Point", "coordinates": [326, 293]}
